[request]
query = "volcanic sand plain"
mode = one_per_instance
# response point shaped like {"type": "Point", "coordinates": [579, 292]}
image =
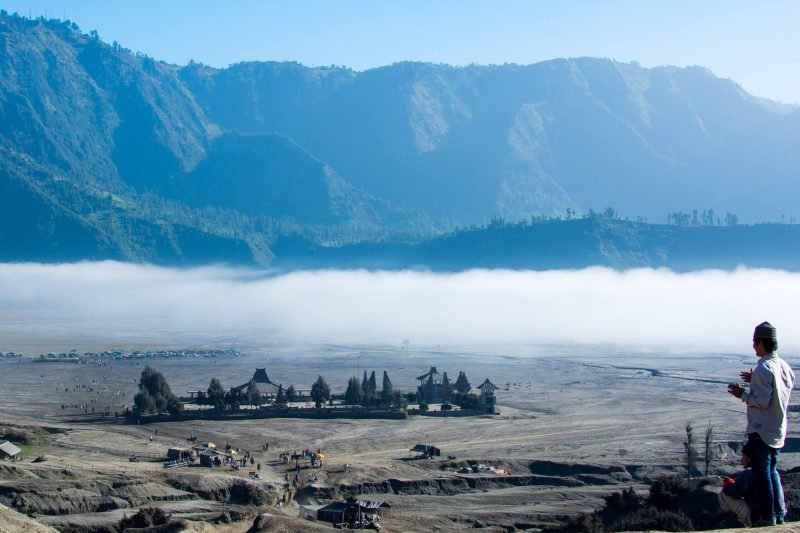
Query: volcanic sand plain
{"type": "Point", "coordinates": [574, 424]}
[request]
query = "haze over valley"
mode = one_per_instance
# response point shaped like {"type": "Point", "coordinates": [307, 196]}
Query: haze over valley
{"type": "Point", "coordinates": [641, 309]}
{"type": "Point", "coordinates": [555, 264]}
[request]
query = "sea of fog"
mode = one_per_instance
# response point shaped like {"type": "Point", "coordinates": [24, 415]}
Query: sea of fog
{"type": "Point", "coordinates": [657, 309]}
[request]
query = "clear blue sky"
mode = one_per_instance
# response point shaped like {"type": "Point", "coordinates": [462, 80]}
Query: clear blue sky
{"type": "Point", "coordinates": [752, 42]}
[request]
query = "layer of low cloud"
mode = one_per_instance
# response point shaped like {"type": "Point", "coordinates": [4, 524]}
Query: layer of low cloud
{"type": "Point", "coordinates": [708, 310]}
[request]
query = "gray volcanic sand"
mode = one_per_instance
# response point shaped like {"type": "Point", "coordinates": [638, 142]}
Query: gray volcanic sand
{"type": "Point", "coordinates": [596, 405]}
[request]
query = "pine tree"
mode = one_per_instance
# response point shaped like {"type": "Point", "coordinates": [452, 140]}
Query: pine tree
{"type": "Point", "coordinates": [216, 394]}
{"type": "Point", "coordinates": [253, 394]}
{"type": "Point", "coordinates": [233, 399]}
{"type": "Point", "coordinates": [353, 395]}
{"type": "Point", "coordinates": [429, 390]}
{"type": "Point", "coordinates": [387, 392]}
{"type": "Point", "coordinates": [462, 384]}
{"type": "Point", "coordinates": [690, 450]}
{"type": "Point", "coordinates": [154, 393]}
{"type": "Point", "coordinates": [320, 392]}
{"type": "Point", "coordinates": [291, 394]}
{"type": "Point", "coordinates": [709, 456]}
{"type": "Point", "coordinates": [447, 388]}
{"type": "Point", "coordinates": [373, 386]}
{"type": "Point", "coordinates": [280, 399]}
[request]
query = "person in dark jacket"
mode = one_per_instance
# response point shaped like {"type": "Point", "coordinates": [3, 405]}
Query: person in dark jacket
{"type": "Point", "coordinates": [738, 495]}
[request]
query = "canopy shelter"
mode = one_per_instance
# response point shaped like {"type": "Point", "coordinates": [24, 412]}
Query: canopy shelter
{"type": "Point", "coordinates": [351, 511]}
{"type": "Point", "coordinates": [9, 450]}
{"type": "Point", "coordinates": [177, 452]}
{"type": "Point", "coordinates": [334, 512]}
{"type": "Point", "coordinates": [212, 457]}
{"type": "Point", "coordinates": [427, 450]}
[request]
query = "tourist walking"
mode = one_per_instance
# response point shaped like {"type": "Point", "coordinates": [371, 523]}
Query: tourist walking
{"type": "Point", "coordinates": [767, 403]}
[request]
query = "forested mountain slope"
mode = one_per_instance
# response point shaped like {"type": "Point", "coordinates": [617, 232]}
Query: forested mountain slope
{"type": "Point", "coordinates": [480, 141]}
{"type": "Point", "coordinates": [105, 153]}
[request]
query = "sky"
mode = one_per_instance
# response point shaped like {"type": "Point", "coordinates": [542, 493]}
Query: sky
{"type": "Point", "coordinates": [752, 42]}
{"type": "Point", "coordinates": [645, 310]}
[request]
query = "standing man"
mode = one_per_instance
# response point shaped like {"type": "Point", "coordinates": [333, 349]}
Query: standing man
{"type": "Point", "coordinates": [767, 403]}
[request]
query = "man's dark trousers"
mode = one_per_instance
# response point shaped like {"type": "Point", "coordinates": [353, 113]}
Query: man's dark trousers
{"type": "Point", "coordinates": [769, 494]}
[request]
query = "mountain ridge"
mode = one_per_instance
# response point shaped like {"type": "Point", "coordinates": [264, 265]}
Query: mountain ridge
{"type": "Point", "coordinates": [147, 161]}
{"type": "Point", "coordinates": [562, 244]}
{"type": "Point", "coordinates": [524, 103]}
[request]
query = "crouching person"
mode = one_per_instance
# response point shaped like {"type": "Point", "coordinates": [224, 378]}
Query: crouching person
{"type": "Point", "coordinates": [738, 493]}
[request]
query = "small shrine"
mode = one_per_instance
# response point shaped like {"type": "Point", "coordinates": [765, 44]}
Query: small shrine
{"type": "Point", "coordinates": [487, 398]}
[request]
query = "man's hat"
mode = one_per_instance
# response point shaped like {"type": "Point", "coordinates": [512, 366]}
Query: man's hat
{"type": "Point", "coordinates": [765, 330]}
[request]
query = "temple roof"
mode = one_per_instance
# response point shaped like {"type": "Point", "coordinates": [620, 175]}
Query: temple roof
{"type": "Point", "coordinates": [261, 376]}
{"type": "Point", "coordinates": [262, 379]}
{"type": "Point", "coordinates": [487, 384]}
{"type": "Point", "coordinates": [431, 373]}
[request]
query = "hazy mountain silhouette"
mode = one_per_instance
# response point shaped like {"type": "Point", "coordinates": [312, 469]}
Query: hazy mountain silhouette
{"type": "Point", "coordinates": [564, 244]}
{"type": "Point", "coordinates": [475, 142]}
{"type": "Point", "coordinates": [108, 153]}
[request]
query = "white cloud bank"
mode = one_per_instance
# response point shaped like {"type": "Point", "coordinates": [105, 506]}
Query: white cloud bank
{"type": "Point", "coordinates": [710, 310]}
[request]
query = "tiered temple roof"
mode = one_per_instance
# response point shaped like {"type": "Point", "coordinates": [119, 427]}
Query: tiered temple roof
{"type": "Point", "coordinates": [488, 385]}
{"type": "Point", "coordinates": [432, 373]}
{"type": "Point", "coordinates": [265, 386]}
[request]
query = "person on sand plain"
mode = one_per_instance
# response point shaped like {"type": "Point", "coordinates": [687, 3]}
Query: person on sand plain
{"type": "Point", "coordinates": [767, 403]}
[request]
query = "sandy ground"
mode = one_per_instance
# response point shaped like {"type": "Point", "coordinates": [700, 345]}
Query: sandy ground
{"type": "Point", "coordinates": [602, 406]}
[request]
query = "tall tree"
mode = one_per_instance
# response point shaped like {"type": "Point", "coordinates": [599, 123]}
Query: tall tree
{"type": "Point", "coordinates": [280, 399]}
{"type": "Point", "coordinates": [447, 388]}
{"type": "Point", "coordinates": [144, 402]}
{"type": "Point", "coordinates": [373, 385]}
{"type": "Point", "coordinates": [690, 451]}
{"type": "Point", "coordinates": [398, 400]}
{"type": "Point", "coordinates": [466, 401]}
{"type": "Point", "coordinates": [387, 392]}
{"type": "Point", "coordinates": [216, 394]}
{"type": "Point", "coordinates": [709, 455]}
{"type": "Point", "coordinates": [429, 390]}
{"type": "Point", "coordinates": [291, 394]}
{"type": "Point", "coordinates": [353, 394]}
{"type": "Point", "coordinates": [253, 394]}
{"type": "Point", "coordinates": [154, 393]}
{"type": "Point", "coordinates": [320, 392]}
{"type": "Point", "coordinates": [233, 399]}
{"type": "Point", "coordinates": [462, 384]}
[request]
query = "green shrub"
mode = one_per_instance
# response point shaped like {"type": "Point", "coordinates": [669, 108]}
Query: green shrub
{"type": "Point", "coordinates": [666, 490]}
{"type": "Point", "coordinates": [249, 494]}
{"type": "Point", "coordinates": [620, 503]}
{"type": "Point", "coordinates": [146, 517]}
{"type": "Point", "coordinates": [649, 518]}
{"type": "Point", "coordinates": [585, 523]}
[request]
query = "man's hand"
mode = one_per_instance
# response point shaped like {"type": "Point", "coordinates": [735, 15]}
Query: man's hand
{"type": "Point", "coordinates": [735, 389]}
{"type": "Point", "coordinates": [746, 376]}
